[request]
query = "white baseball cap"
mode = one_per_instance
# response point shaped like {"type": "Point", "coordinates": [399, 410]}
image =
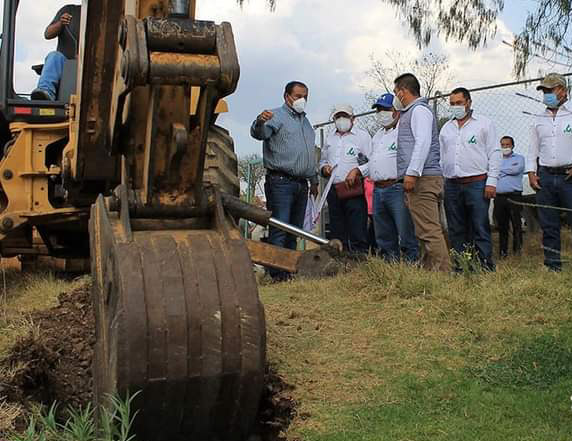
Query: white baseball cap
{"type": "Point", "coordinates": [342, 108]}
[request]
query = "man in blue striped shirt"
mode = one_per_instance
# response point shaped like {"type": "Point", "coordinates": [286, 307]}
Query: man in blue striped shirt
{"type": "Point", "coordinates": [290, 161]}
{"type": "Point", "coordinates": [509, 186]}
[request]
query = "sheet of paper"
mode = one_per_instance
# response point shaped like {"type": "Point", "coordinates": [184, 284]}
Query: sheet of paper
{"type": "Point", "coordinates": [325, 194]}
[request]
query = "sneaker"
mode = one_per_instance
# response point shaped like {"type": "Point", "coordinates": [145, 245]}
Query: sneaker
{"type": "Point", "coordinates": [41, 95]}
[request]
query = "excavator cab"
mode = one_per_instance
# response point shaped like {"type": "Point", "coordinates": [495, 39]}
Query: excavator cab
{"type": "Point", "coordinates": [16, 105]}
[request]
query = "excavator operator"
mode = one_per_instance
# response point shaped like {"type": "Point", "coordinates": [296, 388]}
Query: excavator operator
{"type": "Point", "coordinates": [65, 26]}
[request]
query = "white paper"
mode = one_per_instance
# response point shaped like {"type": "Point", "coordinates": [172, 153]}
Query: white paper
{"type": "Point", "coordinates": [312, 214]}
{"type": "Point", "coordinates": [325, 194]}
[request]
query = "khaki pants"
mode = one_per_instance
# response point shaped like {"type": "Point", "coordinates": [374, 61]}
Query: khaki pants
{"type": "Point", "coordinates": [423, 205]}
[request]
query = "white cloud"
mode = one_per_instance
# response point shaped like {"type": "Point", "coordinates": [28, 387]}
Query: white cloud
{"type": "Point", "coordinates": [326, 44]}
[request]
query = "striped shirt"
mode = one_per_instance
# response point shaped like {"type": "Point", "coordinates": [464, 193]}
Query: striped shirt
{"type": "Point", "coordinates": [289, 143]}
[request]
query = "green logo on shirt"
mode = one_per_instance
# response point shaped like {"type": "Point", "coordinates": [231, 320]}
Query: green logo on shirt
{"type": "Point", "coordinates": [351, 152]}
{"type": "Point", "coordinates": [392, 147]}
{"type": "Point", "coordinates": [568, 129]}
{"type": "Point", "coordinates": [473, 140]}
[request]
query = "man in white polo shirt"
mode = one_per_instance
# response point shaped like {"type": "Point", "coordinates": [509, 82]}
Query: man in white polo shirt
{"type": "Point", "coordinates": [346, 201]}
{"type": "Point", "coordinates": [470, 160]}
{"type": "Point", "coordinates": [551, 149]}
{"type": "Point", "coordinates": [394, 230]}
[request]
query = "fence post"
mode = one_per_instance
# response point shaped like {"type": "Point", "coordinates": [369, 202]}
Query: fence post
{"type": "Point", "coordinates": [436, 105]}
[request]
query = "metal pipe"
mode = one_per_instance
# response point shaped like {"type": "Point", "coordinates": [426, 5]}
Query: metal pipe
{"type": "Point", "coordinates": [180, 7]}
{"type": "Point", "coordinates": [297, 231]}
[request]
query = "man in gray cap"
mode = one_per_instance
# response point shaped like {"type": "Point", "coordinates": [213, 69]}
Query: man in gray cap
{"type": "Point", "coordinates": [549, 164]}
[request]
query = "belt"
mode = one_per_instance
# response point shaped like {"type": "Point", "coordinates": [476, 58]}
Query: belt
{"type": "Point", "coordinates": [556, 170]}
{"type": "Point", "coordinates": [385, 183]}
{"type": "Point", "coordinates": [286, 175]}
{"type": "Point", "coordinates": [469, 179]}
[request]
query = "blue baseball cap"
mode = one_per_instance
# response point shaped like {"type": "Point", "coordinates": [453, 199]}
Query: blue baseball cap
{"type": "Point", "coordinates": [385, 100]}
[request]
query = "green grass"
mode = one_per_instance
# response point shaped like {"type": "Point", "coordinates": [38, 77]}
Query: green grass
{"type": "Point", "coordinates": [390, 352]}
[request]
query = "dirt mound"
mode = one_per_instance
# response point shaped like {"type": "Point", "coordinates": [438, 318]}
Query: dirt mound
{"type": "Point", "coordinates": [53, 363]}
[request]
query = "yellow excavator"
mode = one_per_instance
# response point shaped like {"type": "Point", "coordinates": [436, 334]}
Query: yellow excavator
{"type": "Point", "coordinates": [127, 167]}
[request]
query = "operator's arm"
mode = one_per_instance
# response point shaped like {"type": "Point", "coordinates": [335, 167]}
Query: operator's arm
{"type": "Point", "coordinates": [56, 27]}
{"type": "Point", "coordinates": [422, 127]}
{"type": "Point", "coordinates": [533, 151]}
{"type": "Point", "coordinates": [494, 156]}
{"type": "Point", "coordinates": [366, 150]}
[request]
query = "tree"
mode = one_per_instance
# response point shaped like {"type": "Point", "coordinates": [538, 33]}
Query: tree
{"type": "Point", "coordinates": [251, 171]}
{"type": "Point", "coordinates": [430, 68]}
{"type": "Point", "coordinates": [546, 32]}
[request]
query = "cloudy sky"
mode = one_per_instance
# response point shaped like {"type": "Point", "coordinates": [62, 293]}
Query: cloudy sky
{"type": "Point", "coordinates": [326, 44]}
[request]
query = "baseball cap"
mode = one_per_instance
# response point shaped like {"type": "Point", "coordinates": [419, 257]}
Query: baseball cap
{"type": "Point", "coordinates": [342, 108]}
{"type": "Point", "coordinates": [551, 81]}
{"type": "Point", "coordinates": [385, 100]}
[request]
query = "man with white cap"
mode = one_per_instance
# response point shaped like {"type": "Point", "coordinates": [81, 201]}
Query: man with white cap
{"type": "Point", "coordinates": [549, 164]}
{"type": "Point", "coordinates": [346, 202]}
{"type": "Point", "coordinates": [394, 230]}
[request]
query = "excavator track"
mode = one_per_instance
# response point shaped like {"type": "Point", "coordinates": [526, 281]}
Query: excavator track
{"type": "Point", "coordinates": [179, 320]}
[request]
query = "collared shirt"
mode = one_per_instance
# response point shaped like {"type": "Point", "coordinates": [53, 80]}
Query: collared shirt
{"type": "Point", "coordinates": [510, 176]}
{"type": "Point", "coordinates": [470, 150]}
{"type": "Point", "coordinates": [422, 128]}
{"type": "Point", "coordinates": [383, 161]}
{"type": "Point", "coordinates": [343, 150]}
{"type": "Point", "coordinates": [551, 139]}
{"type": "Point", "coordinates": [289, 143]}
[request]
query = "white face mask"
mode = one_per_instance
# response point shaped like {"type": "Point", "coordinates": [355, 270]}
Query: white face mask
{"type": "Point", "coordinates": [385, 117]}
{"type": "Point", "coordinates": [506, 152]}
{"type": "Point", "coordinates": [397, 104]}
{"type": "Point", "coordinates": [458, 112]}
{"type": "Point", "coordinates": [343, 124]}
{"type": "Point", "coordinates": [299, 105]}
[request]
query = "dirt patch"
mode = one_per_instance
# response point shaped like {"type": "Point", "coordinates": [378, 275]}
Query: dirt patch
{"type": "Point", "coordinates": [53, 362]}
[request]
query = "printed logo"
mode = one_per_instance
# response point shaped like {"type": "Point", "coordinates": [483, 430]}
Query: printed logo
{"type": "Point", "coordinates": [351, 152]}
{"type": "Point", "coordinates": [392, 147]}
{"type": "Point", "coordinates": [568, 129]}
{"type": "Point", "coordinates": [473, 140]}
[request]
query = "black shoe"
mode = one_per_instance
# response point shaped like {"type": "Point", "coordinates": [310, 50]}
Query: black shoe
{"type": "Point", "coordinates": [41, 95]}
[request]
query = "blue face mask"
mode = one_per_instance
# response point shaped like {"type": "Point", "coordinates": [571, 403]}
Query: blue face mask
{"type": "Point", "coordinates": [551, 101]}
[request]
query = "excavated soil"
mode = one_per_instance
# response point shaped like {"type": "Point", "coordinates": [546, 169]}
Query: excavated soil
{"type": "Point", "coordinates": [53, 363]}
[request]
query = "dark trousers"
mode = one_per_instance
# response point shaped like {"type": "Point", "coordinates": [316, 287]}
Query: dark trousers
{"type": "Point", "coordinates": [555, 191]}
{"type": "Point", "coordinates": [467, 213]}
{"type": "Point", "coordinates": [348, 222]}
{"type": "Point", "coordinates": [507, 214]}
{"type": "Point", "coordinates": [286, 199]}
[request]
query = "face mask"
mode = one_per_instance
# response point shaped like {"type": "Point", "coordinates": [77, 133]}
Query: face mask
{"type": "Point", "coordinates": [397, 104]}
{"type": "Point", "coordinates": [551, 100]}
{"type": "Point", "coordinates": [506, 152]}
{"type": "Point", "coordinates": [343, 124]}
{"type": "Point", "coordinates": [385, 117]}
{"type": "Point", "coordinates": [299, 105]}
{"type": "Point", "coordinates": [458, 112]}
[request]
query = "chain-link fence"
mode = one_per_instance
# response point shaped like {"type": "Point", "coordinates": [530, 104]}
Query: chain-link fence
{"type": "Point", "coordinates": [511, 106]}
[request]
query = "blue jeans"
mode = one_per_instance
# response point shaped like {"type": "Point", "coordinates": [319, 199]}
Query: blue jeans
{"type": "Point", "coordinates": [557, 192]}
{"type": "Point", "coordinates": [286, 199]}
{"type": "Point", "coordinates": [394, 230]}
{"type": "Point", "coordinates": [52, 73]}
{"type": "Point", "coordinates": [467, 213]}
{"type": "Point", "coordinates": [348, 222]}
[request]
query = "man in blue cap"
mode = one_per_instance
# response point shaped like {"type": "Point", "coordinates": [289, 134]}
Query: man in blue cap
{"type": "Point", "coordinates": [394, 230]}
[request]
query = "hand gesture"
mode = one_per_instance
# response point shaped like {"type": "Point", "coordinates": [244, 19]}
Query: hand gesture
{"type": "Point", "coordinates": [352, 177]}
{"type": "Point", "coordinates": [327, 170]}
{"type": "Point", "coordinates": [65, 19]}
{"type": "Point", "coordinates": [265, 116]}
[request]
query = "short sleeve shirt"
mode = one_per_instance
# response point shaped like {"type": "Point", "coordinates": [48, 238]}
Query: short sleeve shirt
{"type": "Point", "coordinates": [68, 40]}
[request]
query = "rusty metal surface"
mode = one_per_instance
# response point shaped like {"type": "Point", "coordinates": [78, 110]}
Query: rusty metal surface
{"type": "Point", "coordinates": [178, 317]}
{"type": "Point", "coordinates": [197, 37]}
{"type": "Point", "coordinates": [271, 256]}
{"type": "Point", "coordinates": [241, 209]}
{"type": "Point", "coordinates": [174, 68]}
